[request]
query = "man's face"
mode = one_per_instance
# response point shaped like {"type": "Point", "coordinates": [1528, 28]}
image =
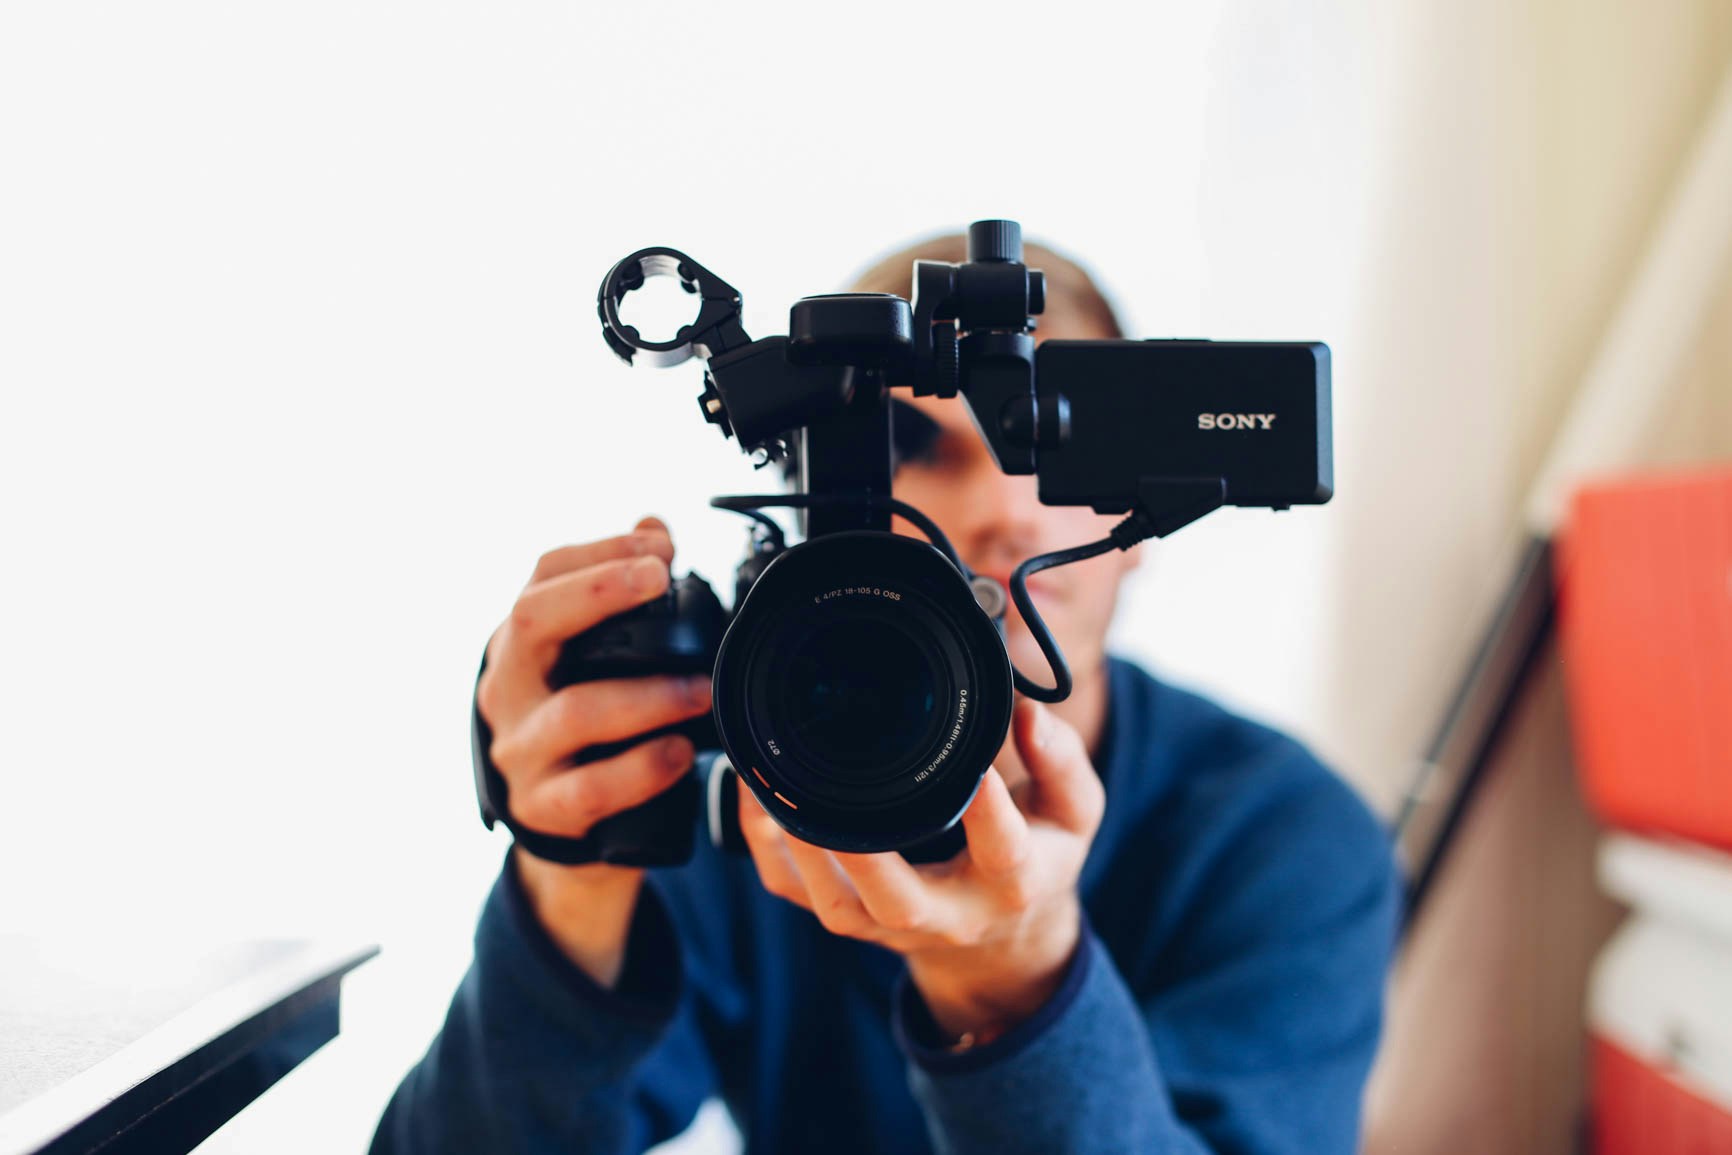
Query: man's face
{"type": "Point", "coordinates": [996, 522]}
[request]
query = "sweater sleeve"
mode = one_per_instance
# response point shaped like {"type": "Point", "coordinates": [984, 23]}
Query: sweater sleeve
{"type": "Point", "coordinates": [534, 1056]}
{"type": "Point", "coordinates": [1250, 1029]}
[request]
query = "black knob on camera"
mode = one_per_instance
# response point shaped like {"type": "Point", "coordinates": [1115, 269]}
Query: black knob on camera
{"type": "Point", "coordinates": [866, 329]}
{"type": "Point", "coordinates": [995, 241]}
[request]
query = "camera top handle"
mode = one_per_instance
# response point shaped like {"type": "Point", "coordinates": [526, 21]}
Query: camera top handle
{"type": "Point", "coordinates": [716, 329]}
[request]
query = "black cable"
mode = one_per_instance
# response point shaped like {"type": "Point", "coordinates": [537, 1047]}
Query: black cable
{"type": "Point", "coordinates": [1133, 529]}
{"type": "Point", "coordinates": [1060, 689]}
{"type": "Point", "coordinates": [766, 521]}
{"type": "Point", "coordinates": [749, 503]}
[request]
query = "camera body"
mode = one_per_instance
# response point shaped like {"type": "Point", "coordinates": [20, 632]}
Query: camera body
{"type": "Point", "coordinates": [861, 684]}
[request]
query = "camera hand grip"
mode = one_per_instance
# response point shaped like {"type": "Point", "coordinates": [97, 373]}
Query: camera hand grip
{"type": "Point", "coordinates": [657, 833]}
{"type": "Point", "coordinates": [677, 633]}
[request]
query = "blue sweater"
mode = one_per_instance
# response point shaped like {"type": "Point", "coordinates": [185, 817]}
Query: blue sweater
{"type": "Point", "coordinates": [1240, 907]}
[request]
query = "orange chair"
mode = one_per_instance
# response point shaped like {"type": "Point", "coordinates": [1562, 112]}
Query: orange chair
{"type": "Point", "coordinates": [1645, 605]}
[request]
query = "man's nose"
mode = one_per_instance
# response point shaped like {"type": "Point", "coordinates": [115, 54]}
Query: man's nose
{"type": "Point", "coordinates": [1000, 511]}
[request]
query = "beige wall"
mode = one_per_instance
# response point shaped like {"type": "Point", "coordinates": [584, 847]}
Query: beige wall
{"type": "Point", "coordinates": [1483, 1050]}
{"type": "Point", "coordinates": [1539, 142]}
{"type": "Point", "coordinates": [1531, 150]}
{"type": "Point", "coordinates": [1697, 421]}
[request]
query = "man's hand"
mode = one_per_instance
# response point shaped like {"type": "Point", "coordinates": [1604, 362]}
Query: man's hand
{"type": "Point", "coordinates": [986, 935]}
{"type": "Point", "coordinates": [588, 909]}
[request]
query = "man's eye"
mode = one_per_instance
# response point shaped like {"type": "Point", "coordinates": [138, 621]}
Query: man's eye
{"type": "Point", "coordinates": [914, 437]}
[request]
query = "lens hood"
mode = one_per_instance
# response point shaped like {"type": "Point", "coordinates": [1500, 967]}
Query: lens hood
{"type": "Point", "coordinates": [861, 693]}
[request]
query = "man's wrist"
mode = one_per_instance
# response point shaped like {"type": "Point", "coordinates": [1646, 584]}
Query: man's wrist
{"type": "Point", "coordinates": [976, 993]}
{"type": "Point", "coordinates": [586, 910]}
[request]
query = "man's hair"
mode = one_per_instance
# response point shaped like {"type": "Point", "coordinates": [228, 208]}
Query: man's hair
{"type": "Point", "coordinates": [1069, 287]}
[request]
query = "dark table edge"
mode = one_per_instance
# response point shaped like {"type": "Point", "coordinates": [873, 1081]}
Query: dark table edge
{"type": "Point", "coordinates": [167, 1081]}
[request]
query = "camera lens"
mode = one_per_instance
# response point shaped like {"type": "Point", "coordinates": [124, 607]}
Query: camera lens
{"type": "Point", "coordinates": [859, 697]}
{"type": "Point", "coordinates": [861, 693]}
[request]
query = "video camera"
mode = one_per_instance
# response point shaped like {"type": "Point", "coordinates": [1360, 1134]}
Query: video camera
{"type": "Point", "coordinates": [861, 683]}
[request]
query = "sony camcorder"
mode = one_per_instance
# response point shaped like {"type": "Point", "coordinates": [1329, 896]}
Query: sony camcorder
{"type": "Point", "coordinates": [861, 681]}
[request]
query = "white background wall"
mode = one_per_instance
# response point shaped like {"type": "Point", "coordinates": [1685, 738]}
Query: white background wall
{"type": "Point", "coordinates": [300, 372]}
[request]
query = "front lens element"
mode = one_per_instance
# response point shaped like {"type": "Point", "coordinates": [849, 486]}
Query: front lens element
{"type": "Point", "coordinates": [859, 698]}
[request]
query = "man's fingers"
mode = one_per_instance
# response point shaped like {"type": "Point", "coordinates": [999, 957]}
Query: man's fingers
{"type": "Point", "coordinates": [892, 891]}
{"type": "Point", "coordinates": [805, 875]}
{"type": "Point", "coordinates": [833, 897]}
{"type": "Point", "coordinates": [569, 802]}
{"type": "Point", "coordinates": [624, 571]}
{"type": "Point", "coordinates": [551, 611]}
{"type": "Point", "coordinates": [1064, 786]}
{"type": "Point", "coordinates": [589, 713]}
{"type": "Point", "coordinates": [769, 849]}
{"type": "Point", "coordinates": [998, 841]}
{"type": "Point", "coordinates": [649, 538]}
